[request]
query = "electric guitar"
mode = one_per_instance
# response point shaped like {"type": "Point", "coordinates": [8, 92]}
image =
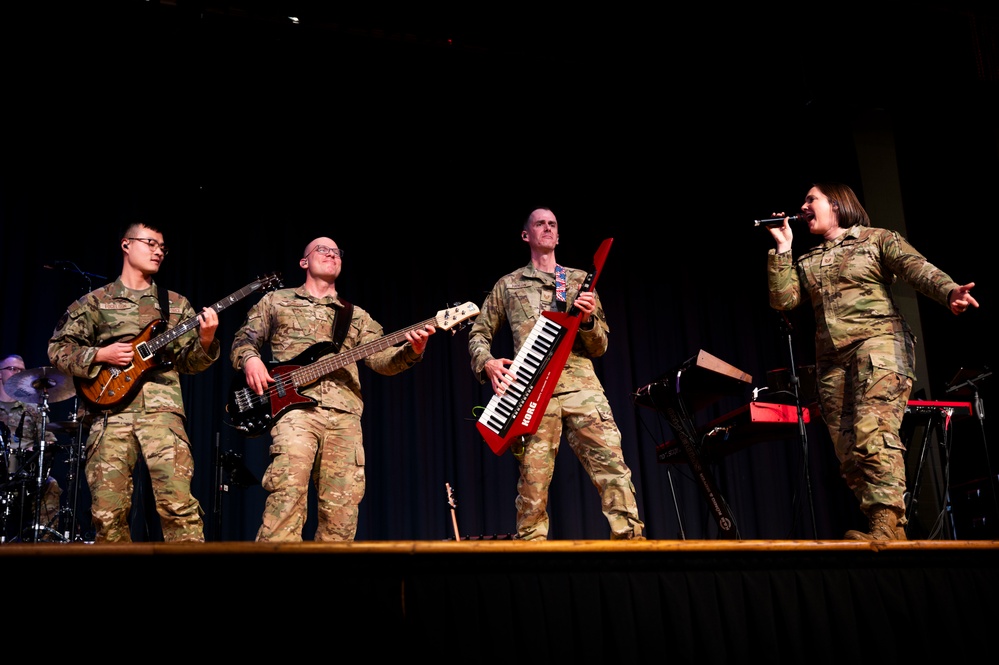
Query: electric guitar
{"type": "Point", "coordinates": [254, 414]}
{"type": "Point", "coordinates": [114, 385]}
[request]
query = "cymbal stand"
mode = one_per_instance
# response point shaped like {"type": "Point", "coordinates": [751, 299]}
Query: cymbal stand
{"type": "Point", "coordinates": [6, 498]}
{"type": "Point", "coordinates": [73, 475]}
{"type": "Point", "coordinates": [43, 408]}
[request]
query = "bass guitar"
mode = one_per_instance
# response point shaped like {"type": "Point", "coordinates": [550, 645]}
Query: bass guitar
{"type": "Point", "coordinates": [114, 385]}
{"type": "Point", "coordinates": [254, 414]}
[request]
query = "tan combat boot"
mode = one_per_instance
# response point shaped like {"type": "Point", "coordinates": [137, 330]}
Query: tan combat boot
{"type": "Point", "coordinates": [884, 526]}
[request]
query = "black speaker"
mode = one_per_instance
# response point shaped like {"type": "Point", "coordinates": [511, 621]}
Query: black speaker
{"type": "Point", "coordinates": [973, 505]}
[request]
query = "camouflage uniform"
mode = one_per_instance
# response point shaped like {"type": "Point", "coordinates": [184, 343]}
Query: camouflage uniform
{"type": "Point", "coordinates": [578, 403]}
{"type": "Point", "coordinates": [151, 424]}
{"type": "Point", "coordinates": [865, 350]}
{"type": "Point", "coordinates": [321, 444]}
{"type": "Point", "coordinates": [18, 452]}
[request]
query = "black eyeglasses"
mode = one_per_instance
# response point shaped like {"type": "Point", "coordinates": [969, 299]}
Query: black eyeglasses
{"type": "Point", "coordinates": [153, 244]}
{"type": "Point", "coordinates": [12, 368]}
{"type": "Point", "coordinates": [323, 249]}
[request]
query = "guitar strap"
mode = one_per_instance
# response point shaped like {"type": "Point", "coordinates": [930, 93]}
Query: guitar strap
{"type": "Point", "coordinates": [341, 324]}
{"type": "Point", "coordinates": [164, 305]}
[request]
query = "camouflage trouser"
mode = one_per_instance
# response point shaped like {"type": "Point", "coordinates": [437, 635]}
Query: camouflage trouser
{"type": "Point", "coordinates": [863, 397]}
{"type": "Point", "coordinates": [595, 439]}
{"type": "Point", "coordinates": [112, 454]}
{"type": "Point", "coordinates": [323, 446]}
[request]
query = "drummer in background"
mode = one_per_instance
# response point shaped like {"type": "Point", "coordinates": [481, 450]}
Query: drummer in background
{"type": "Point", "coordinates": [24, 422]}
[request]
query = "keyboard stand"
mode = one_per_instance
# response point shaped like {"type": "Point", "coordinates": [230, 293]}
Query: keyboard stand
{"type": "Point", "coordinates": [933, 421]}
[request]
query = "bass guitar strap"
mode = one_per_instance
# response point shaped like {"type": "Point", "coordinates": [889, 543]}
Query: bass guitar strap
{"type": "Point", "coordinates": [341, 324]}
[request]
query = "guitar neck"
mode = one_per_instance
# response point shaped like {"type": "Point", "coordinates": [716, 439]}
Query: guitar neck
{"type": "Point", "coordinates": [170, 335]}
{"type": "Point", "coordinates": [304, 376]}
{"type": "Point", "coordinates": [590, 283]}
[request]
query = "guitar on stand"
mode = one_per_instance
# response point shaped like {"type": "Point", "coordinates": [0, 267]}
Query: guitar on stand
{"type": "Point", "coordinates": [453, 505]}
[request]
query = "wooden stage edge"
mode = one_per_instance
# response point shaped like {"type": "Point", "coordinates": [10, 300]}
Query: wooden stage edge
{"type": "Point", "coordinates": [410, 547]}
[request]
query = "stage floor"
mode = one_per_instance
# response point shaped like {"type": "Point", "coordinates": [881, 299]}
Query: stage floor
{"type": "Point", "coordinates": [488, 546]}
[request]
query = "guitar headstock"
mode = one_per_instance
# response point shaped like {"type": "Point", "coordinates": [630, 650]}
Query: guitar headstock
{"type": "Point", "coordinates": [269, 282]}
{"type": "Point", "coordinates": [456, 317]}
{"type": "Point", "coordinates": [450, 495]}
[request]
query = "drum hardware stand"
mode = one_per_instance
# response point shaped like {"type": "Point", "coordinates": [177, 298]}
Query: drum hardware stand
{"type": "Point", "coordinates": [43, 408]}
{"type": "Point", "coordinates": [73, 475]}
{"type": "Point", "coordinates": [46, 385]}
{"type": "Point", "coordinates": [5, 499]}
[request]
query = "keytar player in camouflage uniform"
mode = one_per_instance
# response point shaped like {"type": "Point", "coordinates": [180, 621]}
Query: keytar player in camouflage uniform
{"type": "Point", "coordinates": [865, 350]}
{"type": "Point", "coordinates": [152, 422]}
{"type": "Point", "coordinates": [578, 403]}
{"type": "Point", "coordinates": [320, 443]}
{"type": "Point", "coordinates": [24, 422]}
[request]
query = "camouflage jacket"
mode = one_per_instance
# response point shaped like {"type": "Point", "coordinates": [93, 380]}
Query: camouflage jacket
{"type": "Point", "coordinates": [11, 414]}
{"type": "Point", "coordinates": [293, 321]}
{"type": "Point", "coordinates": [116, 312]}
{"type": "Point", "coordinates": [849, 282]}
{"type": "Point", "coordinates": [518, 299]}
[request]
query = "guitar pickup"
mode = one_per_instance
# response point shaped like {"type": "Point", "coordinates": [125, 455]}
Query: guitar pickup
{"type": "Point", "coordinates": [143, 350]}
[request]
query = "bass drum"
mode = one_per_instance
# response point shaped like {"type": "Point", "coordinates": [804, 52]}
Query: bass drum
{"type": "Point", "coordinates": [17, 515]}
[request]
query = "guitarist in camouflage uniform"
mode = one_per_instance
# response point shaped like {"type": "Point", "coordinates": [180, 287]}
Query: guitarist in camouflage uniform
{"type": "Point", "coordinates": [92, 335]}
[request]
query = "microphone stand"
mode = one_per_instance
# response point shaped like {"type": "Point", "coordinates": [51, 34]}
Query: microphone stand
{"type": "Point", "coordinates": [977, 409]}
{"type": "Point", "coordinates": [802, 432]}
{"type": "Point", "coordinates": [76, 459]}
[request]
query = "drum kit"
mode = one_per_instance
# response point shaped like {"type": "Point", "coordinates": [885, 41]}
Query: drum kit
{"type": "Point", "coordinates": [26, 469]}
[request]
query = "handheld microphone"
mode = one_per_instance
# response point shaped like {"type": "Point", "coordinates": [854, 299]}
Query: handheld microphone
{"type": "Point", "coordinates": [777, 221]}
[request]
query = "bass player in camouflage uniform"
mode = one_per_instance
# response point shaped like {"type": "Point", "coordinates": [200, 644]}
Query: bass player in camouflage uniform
{"type": "Point", "coordinates": [321, 443]}
{"type": "Point", "coordinates": [865, 350]}
{"type": "Point", "coordinates": [578, 401]}
{"type": "Point", "coordinates": [152, 422]}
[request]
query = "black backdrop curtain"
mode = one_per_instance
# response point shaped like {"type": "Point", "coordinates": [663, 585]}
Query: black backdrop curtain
{"type": "Point", "coordinates": [245, 142]}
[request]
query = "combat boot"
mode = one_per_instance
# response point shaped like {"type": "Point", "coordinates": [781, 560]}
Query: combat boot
{"type": "Point", "coordinates": [885, 525]}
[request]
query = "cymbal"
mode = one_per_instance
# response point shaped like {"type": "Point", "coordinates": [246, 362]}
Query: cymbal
{"type": "Point", "coordinates": [64, 426]}
{"type": "Point", "coordinates": [33, 384]}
